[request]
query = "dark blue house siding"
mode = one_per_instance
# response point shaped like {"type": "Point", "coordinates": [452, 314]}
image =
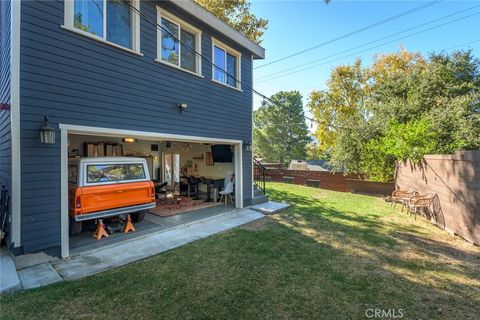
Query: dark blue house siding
{"type": "Point", "coordinates": [5, 136]}
{"type": "Point", "coordinates": [77, 80]}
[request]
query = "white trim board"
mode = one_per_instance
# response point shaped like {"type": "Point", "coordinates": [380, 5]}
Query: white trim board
{"type": "Point", "coordinates": [87, 130]}
{"type": "Point", "coordinates": [64, 220]}
{"type": "Point", "coordinates": [108, 132]}
{"type": "Point", "coordinates": [251, 134]}
{"type": "Point", "coordinates": [15, 121]}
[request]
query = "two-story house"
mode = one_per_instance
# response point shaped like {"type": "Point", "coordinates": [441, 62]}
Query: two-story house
{"type": "Point", "coordinates": [162, 80]}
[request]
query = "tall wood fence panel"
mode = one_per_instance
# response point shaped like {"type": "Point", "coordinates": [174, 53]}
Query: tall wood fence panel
{"type": "Point", "coordinates": [456, 180]}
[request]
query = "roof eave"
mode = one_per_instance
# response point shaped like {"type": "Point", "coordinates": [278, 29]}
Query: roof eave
{"type": "Point", "coordinates": [207, 17]}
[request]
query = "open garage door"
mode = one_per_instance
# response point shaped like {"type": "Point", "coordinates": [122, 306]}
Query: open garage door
{"type": "Point", "coordinates": [189, 174]}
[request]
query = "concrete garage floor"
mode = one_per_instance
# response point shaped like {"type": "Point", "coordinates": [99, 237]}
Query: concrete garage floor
{"type": "Point", "coordinates": [151, 223]}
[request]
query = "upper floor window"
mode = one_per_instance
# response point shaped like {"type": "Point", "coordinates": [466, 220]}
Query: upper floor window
{"type": "Point", "coordinates": [177, 43]}
{"type": "Point", "coordinates": [113, 21]}
{"type": "Point", "coordinates": [226, 68]}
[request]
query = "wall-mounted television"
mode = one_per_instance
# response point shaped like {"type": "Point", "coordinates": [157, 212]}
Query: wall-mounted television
{"type": "Point", "coordinates": [222, 153]}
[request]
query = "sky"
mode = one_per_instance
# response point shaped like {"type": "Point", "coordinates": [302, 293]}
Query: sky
{"type": "Point", "coordinates": [297, 25]}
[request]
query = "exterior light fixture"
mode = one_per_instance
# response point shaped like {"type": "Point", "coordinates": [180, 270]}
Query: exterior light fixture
{"type": "Point", "coordinates": [248, 146]}
{"type": "Point", "coordinates": [129, 140]}
{"type": "Point", "coordinates": [182, 107]}
{"type": "Point", "coordinates": [47, 133]}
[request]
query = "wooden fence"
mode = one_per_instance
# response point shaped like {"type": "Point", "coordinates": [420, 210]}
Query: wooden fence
{"type": "Point", "coordinates": [321, 179]}
{"type": "Point", "coordinates": [370, 187]}
{"type": "Point", "coordinates": [329, 180]}
{"type": "Point", "coordinates": [456, 180]}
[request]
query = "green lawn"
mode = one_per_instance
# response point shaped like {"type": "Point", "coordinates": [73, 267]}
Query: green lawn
{"type": "Point", "coordinates": [332, 256]}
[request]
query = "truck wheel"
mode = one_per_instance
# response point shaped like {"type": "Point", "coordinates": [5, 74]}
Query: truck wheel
{"type": "Point", "coordinates": [137, 216]}
{"type": "Point", "coordinates": [75, 227]}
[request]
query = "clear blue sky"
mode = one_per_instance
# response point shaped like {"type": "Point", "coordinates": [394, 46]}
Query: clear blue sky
{"type": "Point", "coordinates": [297, 25]}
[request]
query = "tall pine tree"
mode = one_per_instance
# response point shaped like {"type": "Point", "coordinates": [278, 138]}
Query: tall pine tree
{"type": "Point", "coordinates": [280, 131]}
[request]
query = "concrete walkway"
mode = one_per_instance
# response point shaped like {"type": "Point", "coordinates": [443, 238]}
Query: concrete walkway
{"type": "Point", "coordinates": [36, 270]}
{"type": "Point", "coordinates": [9, 280]}
{"type": "Point", "coordinates": [102, 259]}
{"type": "Point", "coordinates": [271, 207]}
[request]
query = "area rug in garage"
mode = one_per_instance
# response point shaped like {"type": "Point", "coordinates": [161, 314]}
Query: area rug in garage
{"type": "Point", "coordinates": [171, 207]}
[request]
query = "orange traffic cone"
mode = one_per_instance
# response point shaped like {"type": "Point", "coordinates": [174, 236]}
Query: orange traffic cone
{"type": "Point", "coordinates": [100, 231]}
{"type": "Point", "coordinates": [128, 225]}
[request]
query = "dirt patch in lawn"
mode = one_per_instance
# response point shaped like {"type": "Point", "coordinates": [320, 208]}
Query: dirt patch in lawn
{"type": "Point", "coordinates": [259, 224]}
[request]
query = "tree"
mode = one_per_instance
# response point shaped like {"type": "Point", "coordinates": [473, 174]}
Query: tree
{"type": "Point", "coordinates": [280, 131]}
{"type": "Point", "coordinates": [400, 108]}
{"type": "Point", "coordinates": [314, 153]}
{"type": "Point", "coordinates": [341, 114]}
{"type": "Point", "coordinates": [237, 14]}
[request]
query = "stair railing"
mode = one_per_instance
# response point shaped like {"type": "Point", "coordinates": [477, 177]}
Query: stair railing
{"type": "Point", "coordinates": [259, 175]}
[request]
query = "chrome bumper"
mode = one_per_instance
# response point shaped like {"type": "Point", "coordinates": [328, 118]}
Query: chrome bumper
{"type": "Point", "coordinates": [114, 212]}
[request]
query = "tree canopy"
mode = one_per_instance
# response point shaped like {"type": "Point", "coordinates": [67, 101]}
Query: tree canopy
{"type": "Point", "coordinates": [401, 107]}
{"type": "Point", "coordinates": [280, 131]}
{"type": "Point", "coordinates": [237, 14]}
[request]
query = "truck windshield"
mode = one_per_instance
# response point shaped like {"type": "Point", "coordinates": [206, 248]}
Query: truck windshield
{"type": "Point", "coordinates": [115, 172]}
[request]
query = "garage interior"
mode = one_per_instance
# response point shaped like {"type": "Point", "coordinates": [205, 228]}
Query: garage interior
{"type": "Point", "coordinates": [188, 178]}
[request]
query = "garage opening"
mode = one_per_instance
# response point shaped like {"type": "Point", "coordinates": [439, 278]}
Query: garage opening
{"type": "Point", "coordinates": [152, 183]}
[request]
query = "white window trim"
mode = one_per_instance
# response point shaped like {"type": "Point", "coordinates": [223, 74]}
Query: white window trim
{"type": "Point", "coordinates": [238, 67]}
{"type": "Point", "coordinates": [161, 13]}
{"type": "Point", "coordinates": [68, 25]}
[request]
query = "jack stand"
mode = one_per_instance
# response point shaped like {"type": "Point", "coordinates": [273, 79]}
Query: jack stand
{"type": "Point", "coordinates": [100, 231]}
{"type": "Point", "coordinates": [128, 225]}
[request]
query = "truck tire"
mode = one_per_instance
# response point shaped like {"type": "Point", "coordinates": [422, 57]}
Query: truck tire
{"type": "Point", "coordinates": [137, 216]}
{"type": "Point", "coordinates": [75, 227]}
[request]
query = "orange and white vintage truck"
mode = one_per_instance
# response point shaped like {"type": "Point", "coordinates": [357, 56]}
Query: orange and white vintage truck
{"type": "Point", "coordinates": [105, 187]}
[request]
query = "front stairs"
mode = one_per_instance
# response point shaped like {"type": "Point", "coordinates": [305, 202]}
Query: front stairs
{"type": "Point", "coordinates": [258, 196]}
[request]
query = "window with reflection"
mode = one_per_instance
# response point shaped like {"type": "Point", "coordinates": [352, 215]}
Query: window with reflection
{"type": "Point", "coordinates": [226, 65]}
{"type": "Point", "coordinates": [219, 56]}
{"type": "Point", "coordinates": [119, 23]}
{"type": "Point", "coordinates": [170, 43]}
{"type": "Point", "coordinates": [188, 60]}
{"type": "Point", "coordinates": [111, 20]}
{"type": "Point", "coordinates": [88, 16]}
{"type": "Point", "coordinates": [178, 43]}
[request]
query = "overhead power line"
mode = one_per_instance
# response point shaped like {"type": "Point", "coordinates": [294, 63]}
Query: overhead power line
{"type": "Point", "coordinates": [369, 48]}
{"type": "Point", "coordinates": [444, 49]}
{"type": "Point", "coordinates": [365, 44]}
{"type": "Point", "coordinates": [208, 61]}
{"type": "Point", "coordinates": [373, 25]}
{"type": "Point", "coordinates": [460, 45]}
{"type": "Point", "coordinates": [246, 85]}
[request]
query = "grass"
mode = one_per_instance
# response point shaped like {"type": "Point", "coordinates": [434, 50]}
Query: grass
{"type": "Point", "coordinates": [331, 256]}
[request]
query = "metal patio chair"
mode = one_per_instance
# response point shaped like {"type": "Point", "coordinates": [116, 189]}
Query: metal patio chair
{"type": "Point", "coordinates": [420, 203]}
{"type": "Point", "coordinates": [403, 197]}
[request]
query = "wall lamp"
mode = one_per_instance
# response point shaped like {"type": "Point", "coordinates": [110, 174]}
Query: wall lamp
{"type": "Point", "coordinates": [129, 140]}
{"type": "Point", "coordinates": [47, 133]}
{"type": "Point", "coordinates": [182, 107]}
{"type": "Point", "coordinates": [248, 146]}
